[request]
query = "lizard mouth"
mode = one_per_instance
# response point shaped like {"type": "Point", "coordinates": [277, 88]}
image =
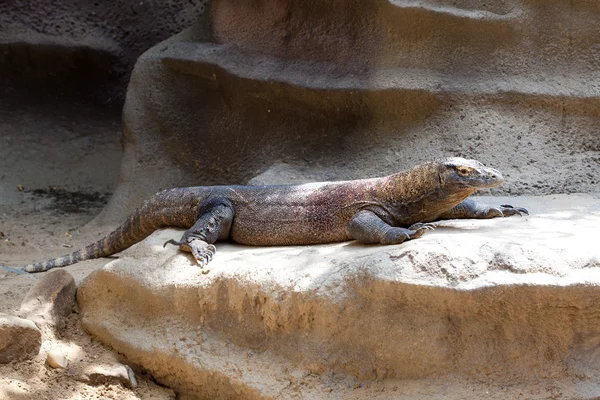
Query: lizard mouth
{"type": "Point", "coordinates": [491, 179]}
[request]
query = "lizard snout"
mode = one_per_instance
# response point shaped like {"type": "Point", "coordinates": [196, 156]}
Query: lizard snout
{"type": "Point", "coordinates": [494, 177]}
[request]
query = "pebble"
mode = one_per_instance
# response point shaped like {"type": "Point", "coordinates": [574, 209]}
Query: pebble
{"type": "Point", "coordinates": [57, 358]}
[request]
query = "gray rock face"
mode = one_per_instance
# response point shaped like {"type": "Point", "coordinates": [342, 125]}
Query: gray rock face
{"type": "Point", "coordinates": [20, 339]}
{"type": "Point", "coordinates": [509, 303]}
{"type": "Point", "coordinates": [365, 89]}
{"type": "Point", "coordinates": [83, 47]}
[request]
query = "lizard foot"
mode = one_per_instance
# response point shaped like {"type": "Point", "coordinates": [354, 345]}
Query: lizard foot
{"type": "Point", "coordinates": [508, 210]}
{"type": "Point", "coordinates": [421, 227]}
{"type": "Point", "coordinates": [202, 251]}
{"type": "Point", "coordinates": [398, 235]}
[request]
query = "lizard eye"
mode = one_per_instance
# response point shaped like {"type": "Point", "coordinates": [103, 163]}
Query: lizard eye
{"type": "Point", "coordinates": [462, 170]}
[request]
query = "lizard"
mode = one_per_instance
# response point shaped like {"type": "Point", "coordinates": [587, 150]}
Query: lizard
{"type": "Point", "coordinates": [385, 210]}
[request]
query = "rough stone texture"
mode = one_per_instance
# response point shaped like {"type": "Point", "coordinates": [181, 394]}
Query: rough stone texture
{"type": "Point", "coordinates": [20, 339]}
{"type": "Point", "coordinates": [511, 304]}
{"type": "Point", "coordinates": [83, 47]}
{"type": "Point", "coordinates": [51, 300]}
{"type": "Point", "coordinates": [366, 89]}
{"type": "Point", "coordinates": [109, 374]}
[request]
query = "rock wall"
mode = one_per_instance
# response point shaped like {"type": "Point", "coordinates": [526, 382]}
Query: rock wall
{"type": "Point", "coordinates": [83, 48]}
{"type": "Point", "coordinates": [326, 89]}
{"type": "Point", "coordinates": [344, 89]}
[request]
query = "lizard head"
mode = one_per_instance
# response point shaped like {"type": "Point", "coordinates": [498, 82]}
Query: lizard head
{"type": "Point", "coordinates": [460, 172]}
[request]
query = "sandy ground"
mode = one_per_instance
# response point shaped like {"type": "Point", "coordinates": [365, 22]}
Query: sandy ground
{"type": "Point", "coordinates": [58, 167]}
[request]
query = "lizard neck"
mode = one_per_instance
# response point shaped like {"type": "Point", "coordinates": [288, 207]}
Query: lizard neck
{"type": "Point", "coordinates": [418, 195]}
{"type": "Point", "coordinates": [412, 185]}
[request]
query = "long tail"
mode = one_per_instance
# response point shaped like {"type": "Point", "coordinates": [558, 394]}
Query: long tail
{"type": "Point", "coordinates": [114, 242]}
{"type": "Point", "coordinates": [162, 210]}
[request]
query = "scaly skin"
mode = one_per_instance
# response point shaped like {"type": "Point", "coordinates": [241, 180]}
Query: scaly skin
{"type": "Point", "coordinates": [386, 210]}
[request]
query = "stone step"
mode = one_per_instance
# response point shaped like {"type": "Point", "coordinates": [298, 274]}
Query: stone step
{"type": "Point", "coordinates": [468, 37]}
{"type": "Point", "coordinates": [501, 10]}
{"type": "Point", "coordinates": [506, 303]}
{"type": "Point", "coordinates": [208, 60]}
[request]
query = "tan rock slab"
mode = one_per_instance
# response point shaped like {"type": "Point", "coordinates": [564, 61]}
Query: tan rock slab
{"type": "Point", "coordinates": [505, 303]}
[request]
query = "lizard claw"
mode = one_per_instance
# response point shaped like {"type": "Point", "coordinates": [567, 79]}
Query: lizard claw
{"type": "Point", "coordinates": [399, 235]}
{"type": "Point", "coordinates": [202, 251]}
{"type": "Point", "coordinates": [508, 210]}
{"type": "Point", "coordinates": [421, 226]}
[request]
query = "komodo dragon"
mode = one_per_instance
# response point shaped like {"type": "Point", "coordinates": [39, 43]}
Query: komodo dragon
{"type": "Point", "coordinates": [386, 210]}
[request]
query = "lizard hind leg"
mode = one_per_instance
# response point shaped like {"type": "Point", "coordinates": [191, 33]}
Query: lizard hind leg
{"type": "Point", "coordinates": [214, 223]}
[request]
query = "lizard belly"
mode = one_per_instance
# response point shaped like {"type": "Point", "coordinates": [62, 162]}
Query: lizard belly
{"type": "Point", "coordinates": [289, 226]}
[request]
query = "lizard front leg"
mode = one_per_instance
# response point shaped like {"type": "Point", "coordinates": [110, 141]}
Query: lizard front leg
{"type": "Point", "coordinates": [367, 227]}
{"type": "Point", "coordinates": [471, 209]}
{"type": "Point", "coordinates": [213, 224]}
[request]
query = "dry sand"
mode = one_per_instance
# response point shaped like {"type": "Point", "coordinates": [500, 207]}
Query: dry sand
{"type": "Point", "coordinates": [57, 169]}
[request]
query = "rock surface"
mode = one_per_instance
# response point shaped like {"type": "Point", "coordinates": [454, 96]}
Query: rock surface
{"type": "Point", "coordinates": [57, 357]}
{"type": "Point", "coordinates": [109, 374]}
{"type": "Point", "coordinates": [83, 47]}
{"type": "Point", "coordinates": [365, 89]}
{"type": "Point", "coordinates": [506, 305]}
{"type": "Point", "coordinates": [51, 300]}
{"type": "Point", "coordinates": [20, 339]}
